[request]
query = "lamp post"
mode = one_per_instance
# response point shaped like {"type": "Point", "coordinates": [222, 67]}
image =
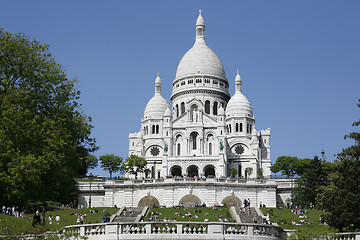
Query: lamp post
{"type": "Point", "coordinates": [90, 177]}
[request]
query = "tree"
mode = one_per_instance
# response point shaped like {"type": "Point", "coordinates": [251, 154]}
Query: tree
{"type": "Point", "coordinates": [43, 132]}
{"type": "Point", "coordinates": [233, 172]}
{"type": "Point", "coordinates": [341, 198]}
{"type": "Point", "coordinates": [135, 165]}
{"type": "Point", "coordinates": [111, 163]}
{"type": "Point", "coordinates": [90, 162]}
{"type": "Point", "coordinates": [288, 166]}
{"type": "Point", "coordinates": [248, 171]}
{"type": "Point", "coordinates": [309, 184]}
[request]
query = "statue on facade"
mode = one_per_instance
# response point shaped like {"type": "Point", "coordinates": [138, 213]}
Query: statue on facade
{"type": "Point", "coordinates": [221, 145]}
{"type": "Point", "coordinates": [165, 146]}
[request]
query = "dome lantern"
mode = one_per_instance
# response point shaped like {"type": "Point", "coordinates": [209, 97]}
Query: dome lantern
{"type": "Point", "coordinates": [200, 27]}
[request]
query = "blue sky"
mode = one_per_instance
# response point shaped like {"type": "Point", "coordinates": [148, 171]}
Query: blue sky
{"type": "Point", "coordinates": [299, 61]}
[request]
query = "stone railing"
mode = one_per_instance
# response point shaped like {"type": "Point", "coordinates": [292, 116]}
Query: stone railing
{"type": "Point", "coordinates": [185, 179]}
{"type": "Point", "coordinates": [347, 235]}
{"type": "Point", "coordinates": [170, 230]}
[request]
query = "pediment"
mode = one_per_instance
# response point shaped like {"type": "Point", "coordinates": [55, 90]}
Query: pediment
{"type": "Point", "coordinates": [195, 101]}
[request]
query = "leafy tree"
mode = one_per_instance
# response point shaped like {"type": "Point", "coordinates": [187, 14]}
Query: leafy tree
{"type": "Point", "coordinates": [341, 198]}
{"type": "Point", "coordinates": [308, 185]}
{"type": "Point", "coordinates": [43, 132]}
{"type": "Point", "coordinates": [233, 172]}
{"type": "Point", "coordinates": [135, 165]}
{"type": "Point", "coordinates": [288, 166]}
{"type": "Point", "coordinates": [248, 171]}
{"type": "Point", "coordinates": [111, 163]}
{"type": "Point", "coordinates": [89, 162]}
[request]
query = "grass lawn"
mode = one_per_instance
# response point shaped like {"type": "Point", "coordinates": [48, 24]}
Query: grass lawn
{"type": "Point", "coordinates": [169, 214]}
{"type": "Point", "coordinates": [284, 218]}
{"type": "Point", "coordinates": [15, 225]}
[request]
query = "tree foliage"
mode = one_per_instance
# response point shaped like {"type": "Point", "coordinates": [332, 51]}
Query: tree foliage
{"type": "Point", "coordinates": [43, 133]}
{"type": "Point", "coordinates": [310, 182]}
{"type": "Point", "coordinates": [341, 198]}
{"type": "Point", "coordinates": [287, 165]}
{"type": "Point", "coordinates": [135, 165]}
{"type": "Point", "coordinates": [111, 163]}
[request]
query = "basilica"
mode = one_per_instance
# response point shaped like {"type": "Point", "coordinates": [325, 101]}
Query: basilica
{"type": "Point", "coordinates": [202, 149]}
{"type": "Point", "coordinates": [206, 132]}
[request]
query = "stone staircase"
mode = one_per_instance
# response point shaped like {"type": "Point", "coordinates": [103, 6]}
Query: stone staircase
{"type": "Point", "coordinates": [248, 218]}
{"type": "Point", "coordinates": [121, 217]}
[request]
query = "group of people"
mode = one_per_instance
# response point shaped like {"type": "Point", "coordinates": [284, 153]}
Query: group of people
{"type": "Point", "coordinates": [37, 219]}
{"type": "Point", "coordinates": [80, 218]}
{"type": "Point", "coordinates": [13, 211]}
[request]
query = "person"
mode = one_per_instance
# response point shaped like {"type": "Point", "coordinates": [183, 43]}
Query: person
{"type": "Point", "coordinates": [50, 219]}
{"type": "Point", "coordinates": [255, 219]}
{"type": "Point", "coordinates": [57, 219]}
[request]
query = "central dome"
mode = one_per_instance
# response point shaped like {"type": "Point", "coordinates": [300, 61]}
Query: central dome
{"type": "Point", "coordinates": [200, 59]}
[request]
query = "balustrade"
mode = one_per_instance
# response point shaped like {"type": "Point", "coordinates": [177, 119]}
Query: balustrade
{"type": "Point", "coordinates": [176, 228]}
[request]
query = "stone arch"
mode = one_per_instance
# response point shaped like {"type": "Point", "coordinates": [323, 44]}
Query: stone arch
{"type": "Point", "coordinates": [192, 171]}
{"type": "Point", "coordinates": [189, 201]}
{"type": "Point", "coordinates": [232, 201]}
{"type": "Point", "coordinates": [149, 201]}
{"type": "Point", "coordinates": [176, 170]}
{"type": "Point", "coordinates": [209, 171]}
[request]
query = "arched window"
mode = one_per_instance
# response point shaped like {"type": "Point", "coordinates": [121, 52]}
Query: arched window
{"type": "Point", "coordinates": [215, 108]}
{"type": "Point", "coordinates": [240, 127]}
{"type": "Point", "coordinates": [230, 128]}
{"type": "Point", "coordinates": [247, 128]}
{"type": "Point", "coordinates": [182, 108]}
{"type": "Point", "coordinates": [250, 128]}
{"type": "Point", "coordinates": [193, 136]}
{"type": "Point", "coordinates": [239, 170]}
{"type": "Point", "coordinates": [157, 129]}
{"type": "Point", "coordinates": [177, 110]}
{"type": "Point", "coordinates": [153, 129]}
{"type": "Point", "coordinates": [210, 148]}
{"type": "Point", "coordinates": [236, 127]}
{"type": "Point", "coordinates": [158, 174]}
{"type": "Point", "coordinates": [207, 106]}
{"type": "Point", "coordinates": [178, 149]}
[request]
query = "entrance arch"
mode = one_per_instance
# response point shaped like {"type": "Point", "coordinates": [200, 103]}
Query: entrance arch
{"type": "Point", "coordinates": [149, 201]}
{"type": "Point", "coordinates": [176, 171]}
{"type": "Point", "coordinates": [209, 171]}
{"type": "Point", "coordinates": [192, 171]}
{"type": "Point", "coordinates": [231, 201]}
{"type": "Point", "coordinates": [189, 201]}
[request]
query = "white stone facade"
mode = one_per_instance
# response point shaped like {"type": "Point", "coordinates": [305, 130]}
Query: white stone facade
{"type": "Point", "coordinates": [206, 131]}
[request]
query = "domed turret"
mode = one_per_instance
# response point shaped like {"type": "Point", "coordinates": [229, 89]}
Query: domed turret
{"type": "Point", "coordinates": [157, 104]}
{"type": "Point", "coordinates": [239, 105]}
{"type": "Point", "coordinates": [167, 112]}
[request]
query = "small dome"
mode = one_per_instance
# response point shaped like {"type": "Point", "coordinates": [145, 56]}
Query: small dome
{"type": "Point", "coordinates": [158, 80]}
{"type": "Point", "coordinates": [200, 20]}
{"type": "Point", "coordinates": [157, 104]}
{"type": "Point", "coordinates": [167, 112]}
{"type": "Point", "coordinates": [239, 106]}
{"type": "Point", "coordinates": [221, 111]}
{"type": "Point", "coordinates": [156, 107]}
